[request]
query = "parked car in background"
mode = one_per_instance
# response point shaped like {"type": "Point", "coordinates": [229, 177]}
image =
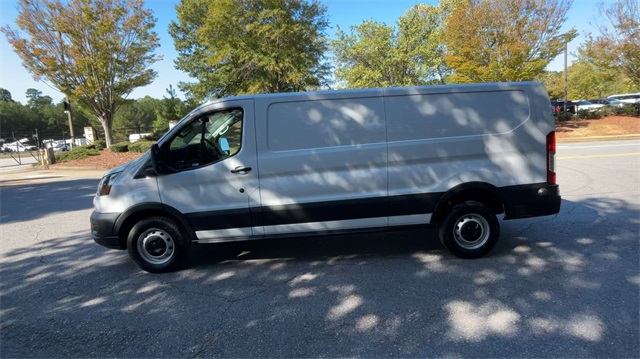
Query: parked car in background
{"type": "Point", "coordinates": [627, 98]}
{"type": "Point", "coordinates": [561, 105]}
{"type": "Point", "coordinates": [19, 146]}
{"type": "Point", "coordinates": [609, 102]}
{"type": "Point", "coordinates": [588, 106]}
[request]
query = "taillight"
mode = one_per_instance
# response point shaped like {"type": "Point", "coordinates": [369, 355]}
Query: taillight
{"type": "Point", "coordinates": [551, 157]}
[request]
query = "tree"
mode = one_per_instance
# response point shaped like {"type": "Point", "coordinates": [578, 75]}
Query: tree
{"type": "Point", "coordinates": [137, 116]}
{"type": "Point", "coordinates": [94, 51]}
{"type": "Point", "coordinates": [16, 118]}
{"type": "Point", "coordinates": [554, 82]}
{"type": "Point", "coordinates": [374, 54]}
{"type": "Point", "coordinates": [5, 95]}
{"type": "Point", "coordinates": [237, 47]}
{"type": "Point", "coordinates": [171, 109]}
{"type": "Point", "coordinates": [36, 100]}
{"type": "Point", "coordinates": [618, 45]}
{"type": "Point", "coordinates": [505, 40]}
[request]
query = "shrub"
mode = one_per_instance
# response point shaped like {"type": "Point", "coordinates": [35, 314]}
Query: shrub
{"type": "Point", "coordinates": [119, 147]}
{"type": "Point", "coordinates": [626, 110]}
{"type": "Point", "coordinates": [77, 153]}
{"type": "Point", "coordinates": [589, 115]}
{"type": "Point", "coordinates": [140, 146]}
{"type": "Point", "coordinates": [100, 144]}
{"type": "Point", "coordinates": [564, 116]}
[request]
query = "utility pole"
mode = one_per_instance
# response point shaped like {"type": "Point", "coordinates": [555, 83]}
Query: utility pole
{"type": "Point", "coordinates": [67, 110]}
{"type": "Point", "coordinates": [566, 77]}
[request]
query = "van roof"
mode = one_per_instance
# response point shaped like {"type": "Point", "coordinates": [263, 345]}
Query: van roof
{"type": "Point", "coordinates": [364, 91]}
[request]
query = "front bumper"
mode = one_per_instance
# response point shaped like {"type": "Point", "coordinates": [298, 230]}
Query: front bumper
{"type": "Point", "coordinates": [102, 230]}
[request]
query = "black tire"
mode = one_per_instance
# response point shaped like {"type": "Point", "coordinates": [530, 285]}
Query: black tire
{"type": "Point", "coordinates": [470, 230]}
{"type": "Point", "coordinates": [158, 244]}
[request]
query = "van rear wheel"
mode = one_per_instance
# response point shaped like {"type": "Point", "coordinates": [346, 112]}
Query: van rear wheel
{"type": "Point", "coordinates": [470, 230]}
{"type": "Point", "coordinates": [157, 244]}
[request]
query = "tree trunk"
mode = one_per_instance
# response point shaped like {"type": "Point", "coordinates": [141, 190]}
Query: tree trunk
{"type": "Point", "coordinates": [107, 126]}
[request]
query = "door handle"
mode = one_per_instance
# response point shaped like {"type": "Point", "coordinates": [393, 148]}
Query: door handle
{"type": "Point", "coordinates": [241, 170]}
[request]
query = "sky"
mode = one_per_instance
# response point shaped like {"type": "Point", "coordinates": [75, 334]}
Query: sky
{"type": "Point", "coordinates": [343, 13]}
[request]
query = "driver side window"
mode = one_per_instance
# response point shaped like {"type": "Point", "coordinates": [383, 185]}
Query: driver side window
{"type": "Point", "coordinates": [206, 140]}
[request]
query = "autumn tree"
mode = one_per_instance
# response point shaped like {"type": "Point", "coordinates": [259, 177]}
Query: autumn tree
{"type": "Point", "coordinates": [235, 47]}
{"type": "Point", "coordinates": [94, 51]}
{"type": "Point", "coordinates": [505, 40]}
{"type": "Point", "coordinates": [554, 82]}
{"type": "Point", "coordinates": [617, 47]}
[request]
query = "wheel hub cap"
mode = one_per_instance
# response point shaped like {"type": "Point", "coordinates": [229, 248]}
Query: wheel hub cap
{"type": "Point", "coordinates": [471, 231]}
{"type": "Point", "coordinates": [156, 246]}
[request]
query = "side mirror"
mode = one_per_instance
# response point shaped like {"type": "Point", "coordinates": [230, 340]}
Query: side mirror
{"type": "Point", "coordinates": [156, 159]}
{"type": "Point", "coordinates": [224, 145]}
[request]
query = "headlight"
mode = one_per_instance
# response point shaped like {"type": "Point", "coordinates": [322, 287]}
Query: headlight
{"type": "Point", "coordinates": [104, 187]}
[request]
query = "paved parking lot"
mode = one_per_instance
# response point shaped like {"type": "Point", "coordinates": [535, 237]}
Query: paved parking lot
{"type": "Point", "coordinates": [558, 286]}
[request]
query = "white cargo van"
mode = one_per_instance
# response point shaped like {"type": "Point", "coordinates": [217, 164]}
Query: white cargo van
{"type": "Point", "coordinates": [294, 164]}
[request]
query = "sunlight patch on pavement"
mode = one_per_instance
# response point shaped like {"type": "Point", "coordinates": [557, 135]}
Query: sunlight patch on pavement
{"type": "Point", "coordinates": [346, 306]}
{"type": "Point", "coordinates": [470, 322]}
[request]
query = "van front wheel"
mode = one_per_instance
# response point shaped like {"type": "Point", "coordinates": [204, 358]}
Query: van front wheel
{"type": "Point", "coordinates": [157, 244]}
{"type": "Point", "coordinates": [470, 230]}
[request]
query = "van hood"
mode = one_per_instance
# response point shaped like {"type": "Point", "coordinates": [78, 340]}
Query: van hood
{"type": "Point", "coordinates": [131, 165]}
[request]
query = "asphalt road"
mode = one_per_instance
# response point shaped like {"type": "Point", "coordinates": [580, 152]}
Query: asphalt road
{"type": "Point", "coordinates": [558, 286]}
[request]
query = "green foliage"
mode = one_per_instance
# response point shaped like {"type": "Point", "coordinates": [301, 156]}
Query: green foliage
{"type": "Point", "coordinates": [554, 82]}
{"type": "Point", "coordinates": [589, 115]}
{"type": "Point", "coordinates": [505, 40]}
{"type": "Point", "coordinates": [16, 117]}
{"type": "Point", "coordinates": [617, 47]}
{"type": "Point", "coordinates": [170, 109]}
{"type": "Point", "coordinates": [5, 95]}
{"type": "Point", "coordinates": [36, 100]}
{"type": "Point", "coordinates": [76, 153]}
{"type": "Point", "coordinates": [564, 116]}
{"type": "Point", "coordinates": [120, 147]}
{"type": "Point", "coordinates": [100, 144]}
{"type": "Point", "coordinates": [374, 54]}
{"type": "Point", "coordinates": [96, 52]}
{"type": "Point", "coordinates": [237, 47]}
{"type": "Point", "coordinates": [627, 110]}
{"type": "Point", "coordinates": [140, 146]}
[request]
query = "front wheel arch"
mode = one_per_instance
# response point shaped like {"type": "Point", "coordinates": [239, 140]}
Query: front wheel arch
{"type": "Point", "coordinates": [158, 244]}
{"type": "Point", "coordinates": [129, 218]}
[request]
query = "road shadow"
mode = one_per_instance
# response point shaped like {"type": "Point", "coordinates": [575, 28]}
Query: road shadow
{"type": "Point", "coordinates": [45, 199]}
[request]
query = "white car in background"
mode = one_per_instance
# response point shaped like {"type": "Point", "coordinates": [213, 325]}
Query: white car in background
{"type": "Point", "coordinates": [627, 98]}
{"type": "Point", "coordinates": [588, 106]}
{"type": "Point", "coordinates": [610, 102]}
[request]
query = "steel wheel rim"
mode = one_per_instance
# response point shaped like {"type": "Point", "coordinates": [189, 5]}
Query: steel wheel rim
{"type": "Point", "coordinates": [471, 231]}
{"type": "Point", "coordinates": [156, 246]}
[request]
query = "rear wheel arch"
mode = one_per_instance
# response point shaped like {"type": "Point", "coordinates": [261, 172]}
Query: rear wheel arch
{"type": "Point", "coordinates": [488, 195]}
